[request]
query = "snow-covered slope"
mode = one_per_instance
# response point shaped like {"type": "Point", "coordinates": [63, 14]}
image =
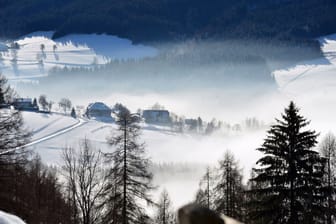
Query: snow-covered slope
{"type": "Point", "coordinates": [312, 85]}
{"type": "Point", "coordinates": [42, 125]}
{"type": "Point", "coordinates": [6, 218]}
{"type": "Point", "coordinates": [316, 76]}
{"type": "Point", "coordinates": [35, 54]}
{"type": "Point", "coordinates": [162, 145]}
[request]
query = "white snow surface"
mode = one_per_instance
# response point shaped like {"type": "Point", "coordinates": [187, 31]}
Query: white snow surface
{"type": "Point", "coordinates": [315, 76]}
{"type": "Point", "coordinates": [31, 60]}
{"type": "Point", "coordinates": [312, 85]}
{"type": "Point", "coordinates": [6, 218]}
{"type": "Point", "coordinates": [42, 125]}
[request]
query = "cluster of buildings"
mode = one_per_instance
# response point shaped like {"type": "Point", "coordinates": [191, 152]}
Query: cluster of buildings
{"type": "Point", "coordinates": [23, 104]}
{"type": "Point", "coordinates": [152, 116]}
{"type": "Point", "coordinates": [99, 110]}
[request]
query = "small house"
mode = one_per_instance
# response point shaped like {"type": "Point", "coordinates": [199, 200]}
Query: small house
{"type": "Point", "coordinates": [156, 116]}
{"type": "Point", "coordinates": [98, 110]}
{"type": "Point", "coordinates": [25, 104]}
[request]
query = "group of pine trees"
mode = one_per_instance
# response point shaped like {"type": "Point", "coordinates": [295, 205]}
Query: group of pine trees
{"type": "Point", "coordinates": [292, 183]}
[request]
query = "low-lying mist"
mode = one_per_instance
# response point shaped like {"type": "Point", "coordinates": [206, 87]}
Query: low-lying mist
{"type": "Point", "coordinates": [227, 80]}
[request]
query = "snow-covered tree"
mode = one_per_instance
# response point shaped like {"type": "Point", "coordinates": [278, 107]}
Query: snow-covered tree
{"type": "Point", "coordinates": [13, 135]}
{"type": "Point", "coordinates": [6, 92]}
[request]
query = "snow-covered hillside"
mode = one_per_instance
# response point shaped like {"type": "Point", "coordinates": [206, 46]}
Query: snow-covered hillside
{"type": "Point", "coordinates": [6, 218]}
{"type": "Point", "coordinates": [163, 146]}
{"type": "Point", "coordinates": [42, 125]}
{"type": "Point", "coordinates": [312, 85]}
{"type": "Point", "coordinates": [317, 76]}
{"type": "Point", "coordinates": [33, 55]}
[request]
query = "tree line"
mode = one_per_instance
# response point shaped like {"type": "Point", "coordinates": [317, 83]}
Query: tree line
{"type": "Point", "coordinates": [27, 187]}
{"type": "Point", "coordinates": [171, 20]}
{"type": "Point", "coordinates": [291, 182]}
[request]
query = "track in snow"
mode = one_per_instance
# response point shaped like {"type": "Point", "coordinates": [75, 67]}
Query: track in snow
{"type": "Point", "coordinates": [57, 133]}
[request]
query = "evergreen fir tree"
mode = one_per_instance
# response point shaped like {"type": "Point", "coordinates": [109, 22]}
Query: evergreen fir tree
{"type": "Point", "coordinates": [129, 175]}
{"type": "Point", "coordinates": [288, 181]}
{"type": "Point", "coordinates": [73, 113]}
{"type": "Point", "coordinates": [35, 105]}
{"type": "Point", "coordinates": [252, 200]}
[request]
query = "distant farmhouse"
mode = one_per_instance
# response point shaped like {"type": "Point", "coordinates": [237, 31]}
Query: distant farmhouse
{"type": "Point", "coordinates": [98, 110]}
{"type": "Point", "coordinates": [25, 104]}
{"type": "Point", "coordinates": [156, 116]}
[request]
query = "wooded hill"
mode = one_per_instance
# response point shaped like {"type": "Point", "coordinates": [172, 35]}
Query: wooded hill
{"type": "Point", "coordinates": [148, 20]}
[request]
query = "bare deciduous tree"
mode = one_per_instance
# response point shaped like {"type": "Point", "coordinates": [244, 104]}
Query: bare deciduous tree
{"type": "Point", "coordinates": [65, 104]}
{"type": "Point", "coordinates": [205, 195]}
{"type": "Point", "coordinates": [165, 213]}
{"type": "Point", "coordinates": [328, 151]}
{"type": "Point", "coordinates": [43, 102]}
{"type": "Point", "coordinates": [85, 179]}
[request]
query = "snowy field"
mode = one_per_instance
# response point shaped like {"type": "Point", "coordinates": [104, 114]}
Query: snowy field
{"type": "Point", "coordinates": [42, 125]}
{"type": "Point", "coordinates": [35, 54]}
{"type": "Point", "coordinates": [312, 85]}
{"type": "Point", "coordinates": [311, 76]}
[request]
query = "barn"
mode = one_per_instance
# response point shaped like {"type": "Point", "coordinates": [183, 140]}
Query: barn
{"type": "Point", "coordinates": [25, 104]}
{"type": "Point", "coordinates": [99, 110]}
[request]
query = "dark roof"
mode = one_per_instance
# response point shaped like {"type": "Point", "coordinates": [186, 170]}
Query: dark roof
{"type": "Point", "coordinates": [98, 106]}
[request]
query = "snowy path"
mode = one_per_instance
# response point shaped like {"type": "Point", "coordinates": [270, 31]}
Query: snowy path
{"type": "Point", "coordinates": [80, 122]}
{"type": "Point", "coordinates": [57, 133]}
